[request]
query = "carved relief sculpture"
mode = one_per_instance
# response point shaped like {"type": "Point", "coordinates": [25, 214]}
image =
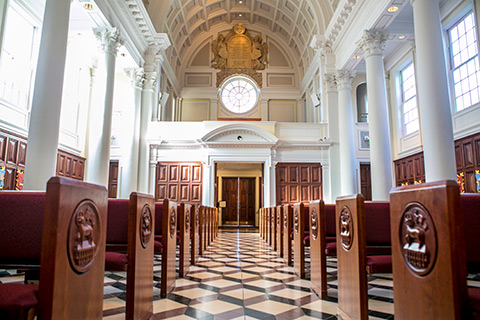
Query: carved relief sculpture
{"type": "Point", "coordinates": [418, 239]}
{"type": "Point", "coordinates": [145, 226]}
{"type": "Point", "coordinates": [314, 222]}
{"type": "Point", "coordinates": [346, 228]}
{"type": "Point", "coordinates": [173, 224]}
{"type": "Point", "coordinates": [83, 236]}
{"type": "Point", "coordinates": [295, 220]}
{"type": "Point", "coordinates": [239, 53]}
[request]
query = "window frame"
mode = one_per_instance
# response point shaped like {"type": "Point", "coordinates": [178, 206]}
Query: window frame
{"type": "Point", "coordinates": [402, 102]}
{"type": "Point", "coordinates": [231, 79]}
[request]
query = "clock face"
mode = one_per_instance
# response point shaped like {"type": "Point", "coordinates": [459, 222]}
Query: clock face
{"type": "Point", "coordinates": [239, 95]}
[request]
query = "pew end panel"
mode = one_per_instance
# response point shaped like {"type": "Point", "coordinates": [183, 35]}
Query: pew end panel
{"type": "Point", "coordinates": [428, 267]}
{"type": "Point", "coordinates": [273, 228]}
{"type": "Point", "coordinates": [318, 258]}
{"type": "Point", "coordinates": [141, 225]}
{"type": "Point", "coordinates": [351, 243]}
{"type": "Point", "coordinates": [298, 236]}
{"type": "Point", "coordinates": [195, 231]}
{"type": "Point", "coordinates": [73, 250]}
{"type": "Point", "coordinates": [279, 228]}
{"type": "Point", "coordinates": [184, 221]}
{"type": "Point", "coordinates": [169, 238]}
{"type": "Point", "coordinates": [287, 228]}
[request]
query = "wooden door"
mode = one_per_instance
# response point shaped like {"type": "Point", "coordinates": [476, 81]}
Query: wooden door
{"type": "Point", "coordinates": [230, 195]}
{"type": "Point", "coordinates": [239, 194]}
{"type": "Point", "coordinates": [247, 201]}
{"type": "Point", "coordinates": [365, 181]}
{"type": "Point", "coordinates": [113, 179]}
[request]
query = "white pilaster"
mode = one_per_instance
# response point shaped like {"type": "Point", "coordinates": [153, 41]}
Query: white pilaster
{"type": "Point", "coordinates": [148, 101]}
{"type": "Point", "coordinates": [207, 184]}
{"type": "Point", "coordinates": [98, 156]}
{"type": "Point", "coordinates": [433, 98]}
{"type": "Point", "coordinates": [152, 170]}
{"type": "Point", "coordinates": [41, 158]}
{"type": "Point", "coordinates": [373, 46]}
{"type": "Point", "coordinates": [346, 134]}
{"type": "Point", "coordinates": [130, 171]}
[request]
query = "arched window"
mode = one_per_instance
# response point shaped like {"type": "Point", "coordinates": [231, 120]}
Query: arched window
{"type": "Point", "coordinates": [239, 94]}
{"type": "Point", "coordinates": [362, 103]}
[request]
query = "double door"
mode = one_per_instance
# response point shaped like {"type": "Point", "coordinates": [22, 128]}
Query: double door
{"type": "Point", "coordinates": [239, 196]}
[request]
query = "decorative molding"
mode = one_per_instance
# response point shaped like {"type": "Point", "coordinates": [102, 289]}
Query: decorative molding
{"type": "Point", "coordinates": [330, 81]}
{"type": "Point", "coordinates": [346, 228]}
{"type": "Point", "coordinates": [373, 42]}
{"type": "Point", "coordinates": [145, 226]}
{"type": "Point", "coordinates": [150, 80]}
{"type": "Point", "coordinates": [109, 39]}
{"type": "Point", "coordinates": [136, 76]}
{"type": "Point", "coordinates": [344, 79]}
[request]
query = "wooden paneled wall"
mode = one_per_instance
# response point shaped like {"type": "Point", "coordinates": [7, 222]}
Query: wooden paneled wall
{"type": "Point", "coordinates": [179, 181]}
{"type": "Point", "coordinates": [13, 151]}
{"type": "Point", "coordinates": [298, 182]}
{"type": "Point", "coordinates": [411, 169]}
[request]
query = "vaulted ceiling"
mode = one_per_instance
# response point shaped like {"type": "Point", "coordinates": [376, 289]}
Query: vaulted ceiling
{"type": "Point", "coordinates": [292, 23]}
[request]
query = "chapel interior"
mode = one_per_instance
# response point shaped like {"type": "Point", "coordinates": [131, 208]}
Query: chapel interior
{"type": "Point", "coordinates": [258, 125]}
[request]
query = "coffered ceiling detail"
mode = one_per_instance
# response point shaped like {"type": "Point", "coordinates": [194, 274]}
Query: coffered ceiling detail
{"type": "Point", "coordinates": [289, 22]}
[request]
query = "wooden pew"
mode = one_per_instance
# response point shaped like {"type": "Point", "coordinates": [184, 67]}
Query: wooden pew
{"type": "Point", "coordinates": [434, 239]}
{"type": "Point", "coordinates": [72, 249]}
{"type": "Point", "coordinates": [267, 225]}
{"type": "Point", "coordinates": [318, 241]}
{"type": "Point", "coordinates": [166, 211]}
{"type": "Point", "coordinates": [279, 228]}
{"type": "Point", "coordinates": [300, 223]}
{"type": "Point", "coordinates": [359, 222]}
{"type": "Point", "coordinates": [131, 229]}
{"type": "Point", "coordinates": [287, 228]}
{"type": "Point", "coordinates": [184, 214]}
{"type": "Point", "coordinates": [202, 232]}
{"type": "Point", "coordinates": [273, 228]}
{"type": "Point", "coordinates": [194, 233]}
{"type": "Point", "coordinates": [260, 222]}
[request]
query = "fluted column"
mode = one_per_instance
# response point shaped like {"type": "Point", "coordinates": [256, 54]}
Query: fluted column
{"type": "Point", "coordinates": [130, 169]}
{"type": "Point", "coordinates": [331, 104]}
{"type": "Point", "coordinates": [346, 134]}
{"type": "Point", "coordinates": [43, 132]}
{"type": "Point", "coordinates": [98, 157]}
{"type": "Point", "coordinates": [148, 101]}
{"type": "Point", "coordinates": [433, 98]}
{"type": "Point", "coordinates": [373, 46]}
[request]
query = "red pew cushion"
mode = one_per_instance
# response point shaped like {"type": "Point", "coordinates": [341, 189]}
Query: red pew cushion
{"type": "Point", "coordinates": [117, 221]}
{"type": "Point", "coordinates": [158, 246]}
{"type": "Point", "coordinates": [377, 223]}
{"type": "Point", "coordinates": [330, 220]}
{"type": "Point", "coordinates": [379, 264]}
{"type": "Point", "coordinates": [17, 299]}
{"type": "Point", "coordinates": [471, 211]}
{"type": "Point", "coordinates": [115, 261]}
{"type": "Point", "coordinates": [474, 300]}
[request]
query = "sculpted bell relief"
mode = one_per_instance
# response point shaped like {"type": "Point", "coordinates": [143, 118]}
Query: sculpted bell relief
{"type": "Point", "coordinates": [239, 50]}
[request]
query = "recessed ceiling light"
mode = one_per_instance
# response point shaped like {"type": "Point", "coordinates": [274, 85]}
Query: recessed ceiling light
{"type": "Point", "coordinates": [392, 9]}
{"type": "Point", "coordinates": [401, 37]}
{"type": "Point", "coordinates": [241, 2]}
{"type": "Point", "coordinates": [88, 6]}
{"type": "Point", "coordinates": [240, 14]}
{"type": "Point", "coordinates": [356, 57]}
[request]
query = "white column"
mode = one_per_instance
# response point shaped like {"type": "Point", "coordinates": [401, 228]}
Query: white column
{"type": "Point", "coordinates": [346, 134]}
{"type": "Point", "coordinates": [267, 184]}
{"type": "Point", "coordinates": [148, 100]}
{"type": "Point", "coordinates": [130, 168]}
{"type": "Point", "coordinates": [433, 98]}
{"type": "Point", "coordinates": [373, 46]}
{"type": "Point", "coordinates": [41, 158]}
{"type": "Point", "coordinates": [207, 184]}
{"type": "Point", "coordinates": [331, 105]}
{"type": "Point", "coordinates": [152, 170]}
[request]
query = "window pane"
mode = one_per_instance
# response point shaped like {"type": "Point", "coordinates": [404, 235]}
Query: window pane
{"type": "Point", "coordinates": [409, 107]}
{"type": "Point", "coordinates": [466, 74]}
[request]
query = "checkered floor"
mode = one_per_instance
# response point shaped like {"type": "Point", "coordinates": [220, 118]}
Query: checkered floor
{"type": "Point", "coordinates": [240, 277]}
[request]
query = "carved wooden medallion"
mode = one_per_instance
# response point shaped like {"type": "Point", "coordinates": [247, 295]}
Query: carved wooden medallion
{"type": "Point", "coordinates": [145, 226]}
{"type": "Point", "coordinates": [314, 223]}
{"type": "Point", "coordinates": [187, 220]}
{"type": "Point", "coordinates": [83, 236]}
{"type": "Point", "coordinates": [346, 228]}
{"type": "Point", "coordinates": [418, 239]}
{"type": "Point", "coordinates": [295, 219]}
{"type": "Point", "coordinates": [285, 222]}
{"type": "Point", "coordinates": [173, 225]}
{"type": "Point", "coordinates": [197, 218]}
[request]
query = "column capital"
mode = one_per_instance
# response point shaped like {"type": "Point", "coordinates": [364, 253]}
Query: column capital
{"type": "Point", "coordinates": [373, 42]}
{"type": "Point", "coordinates": [320, 42]}
{"type": "Point", "coordinates": [149, 80]}
{"type": "Point", "coordinates": [109, 39]}
{"type": "Point", "coordinates": [135, 75]}
{"type": "Point", "coordinates": [330, 81]}
{"type": "Point", "coordinates": [344, 79]}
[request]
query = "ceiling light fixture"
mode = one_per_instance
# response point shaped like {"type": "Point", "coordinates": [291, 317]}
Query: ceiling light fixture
{"type": "Point", "coordinates": [240, 14]}
{"type": "Point", "coordinates": [392, 9]}
{"type": "Point", "coordinates": [356, 57]}
{"type": "Point", "coordinates": [88, 6]}
{"type": "Point", "coordinates": [240, 2]}
{"type": "Point", "coordinates": [401, 37]}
